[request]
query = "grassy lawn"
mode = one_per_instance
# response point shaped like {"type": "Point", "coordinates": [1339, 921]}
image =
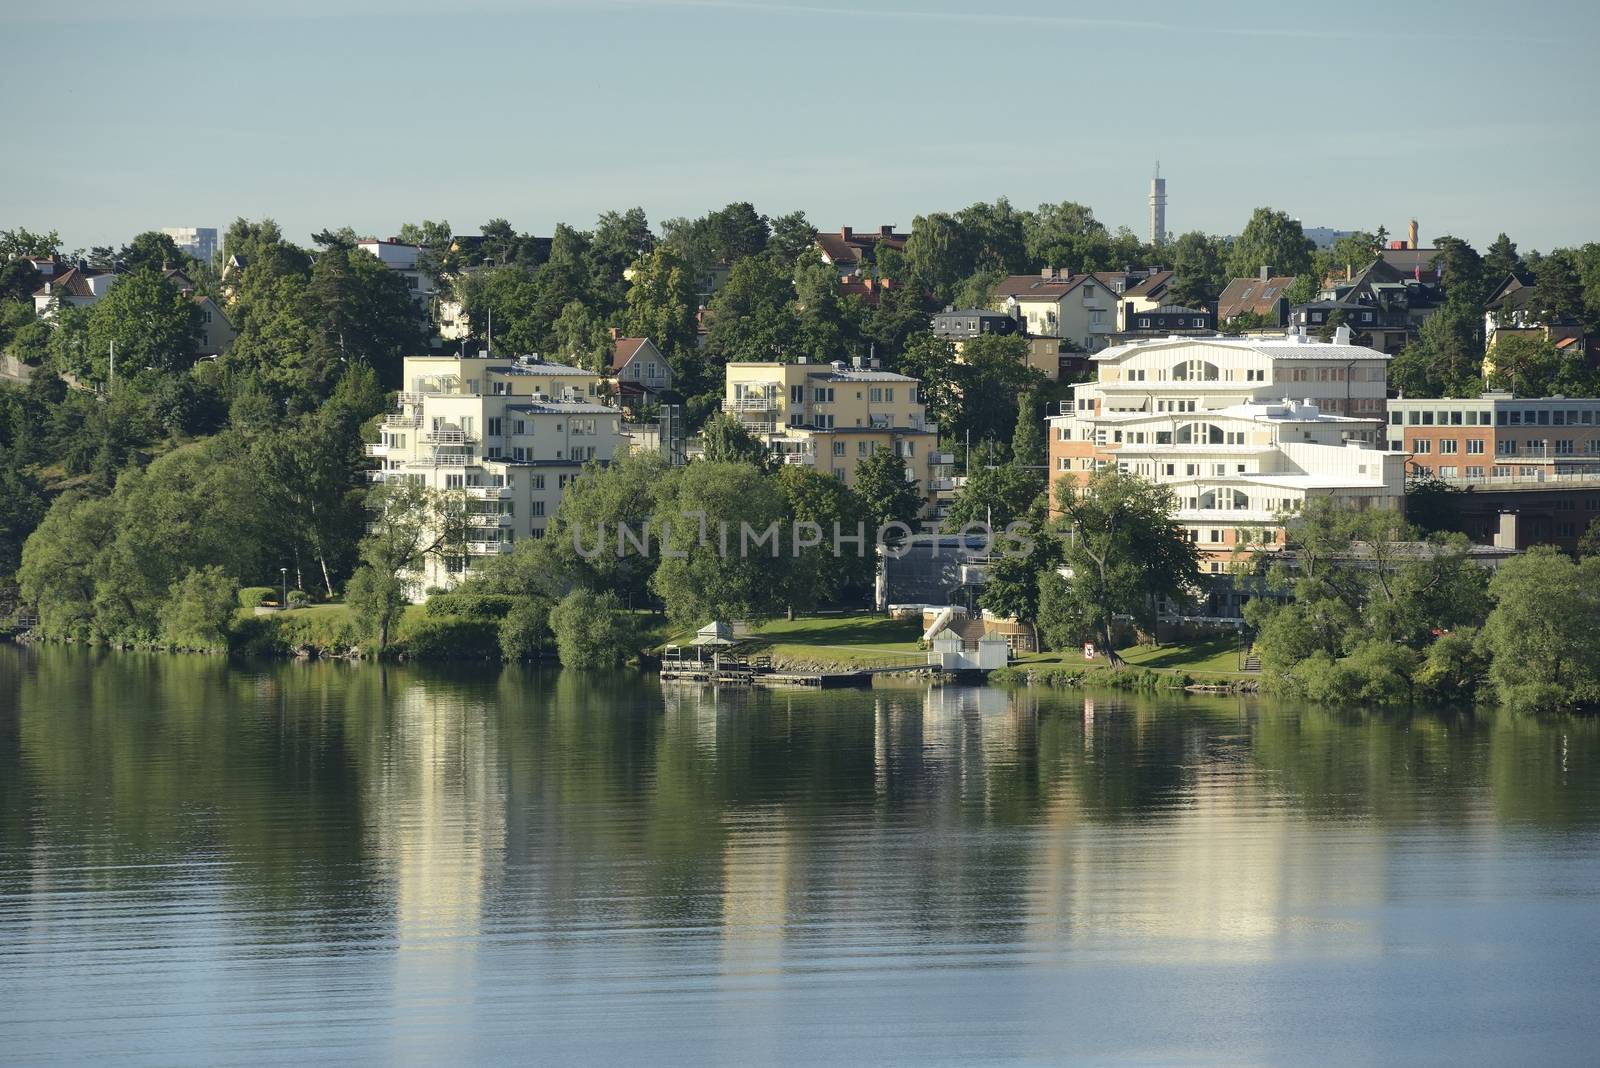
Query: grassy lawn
{"type": "Point", "coordinates": [1211, 656]}
{"type": "Point", "coordinates": [832, 642]}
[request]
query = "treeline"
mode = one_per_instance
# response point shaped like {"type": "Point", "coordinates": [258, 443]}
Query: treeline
{"type": "Point", "coordinates": [1365, 611]}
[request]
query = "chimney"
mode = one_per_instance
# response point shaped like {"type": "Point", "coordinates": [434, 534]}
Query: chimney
{"type": "Point", "coordinates": [1341, 335]}
{"type": "Point", "coordinates": [1047, 273]}
{"type": "Point", "coordinates": [886, 231]}
{"type": "Point", "coordinates": [616, 334]}
{"type": "Point", "coordinates": [1266, 271]}
{"type": "Point", "coordinates": [1411, 235]}
{"type": "Point", "coordinates": [846, 233]}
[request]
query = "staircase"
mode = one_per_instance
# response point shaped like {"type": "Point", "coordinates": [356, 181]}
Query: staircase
{"type": "Point", "coordinates": [1252, 662]}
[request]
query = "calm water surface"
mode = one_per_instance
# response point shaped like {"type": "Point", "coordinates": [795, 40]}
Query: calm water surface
{"type": "Point", "coordinates": [211, 863]}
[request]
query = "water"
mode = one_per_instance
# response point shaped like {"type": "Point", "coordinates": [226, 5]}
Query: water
{"type": "Point", "coordinates": [340, 863]}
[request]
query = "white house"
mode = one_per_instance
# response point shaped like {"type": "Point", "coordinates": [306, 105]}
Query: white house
{"type": "Point", "coordinates": [1242, 429]}
{"type": "Point", "coordinates": [509, 435]}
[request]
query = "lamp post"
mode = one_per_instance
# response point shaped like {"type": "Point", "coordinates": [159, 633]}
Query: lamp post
{"type": "Point", "coordinates": [285, 605]}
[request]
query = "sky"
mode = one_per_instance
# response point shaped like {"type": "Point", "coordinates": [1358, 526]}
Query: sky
{"type": "Point", "coordinates": [1472, 117]}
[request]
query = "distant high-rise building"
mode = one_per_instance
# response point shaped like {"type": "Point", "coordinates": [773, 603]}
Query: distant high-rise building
{"type": "Point", "coordinates": [1158, 207]}
{"type": "Point", "coordinates": [198, 241]}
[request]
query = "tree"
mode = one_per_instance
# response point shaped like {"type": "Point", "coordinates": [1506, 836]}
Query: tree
{"type": "Point", "coordinates": [815, 574]}
{"type": "Point", "coordinates": [1354, 251]}
{"type": "Point", "coordinates": [1025, 556]}
{"type": "Point", "coordinates": [752, 316]}
{"type": "Point", "coordinates": [889, 497]}
{"type": "Point", "coordinates": [996, 236]}
{"type": "Point", "coordinates": [592, 630]}
{"type": "Point", "coordinates": [357, 309]}
{"type": "Point", "coordinates": [1027, 439]}
{"type": "Point", "coordinates": [992, 372]}
{"type": "Point", "coordinates": [726, 440]}
{"type": "Point", "coordinates": [585, 543]}
{"type": "Point", "coordinates": [994, 495]}
{"type": "Point", "coordinates": [376, 598]}
{"type": "Point", "coordinates": [1271, 238]}
{"type": "Point", "coordinates": [1501, 260]}
{"type": "Point", "coordinates": [410, 523]}
{"type": "Point", "coordinates": [1557, 291]}
{"type": "Point", "coordinates": [709, 568]}
{"type": "Point", "coordinates": [827, 327]}
{"type": "Point", "coordinates": [662, 306]}
{"type": "Point", "coordinates": [1446, 358]}
{"type": "Point", "coordinates": [309, 477]}
{"type": "Point", "coordinates": [932, 362]}
{"type": "Point", "coordinates": [22, 506]}
{"type": "Point", "coordinates": [939, 253]}
{"type": "Point", "coordinates": [200, 610]}
{"type": "Point", "coordinates": [582, 339]}
{"type": "Point", "coordinates": [1461, 273]}
{"type": "Point", "coordinates": [153, 251]}
{"type": "Point", "coordinates": [153, 325]}
{"type": "Point", "coordinates": [1197, 270]}
{"type": "Point", "coordinates": [1589, 544]}
{"type": "Point", "coordinates": [1124, 549]}
{"type": "Point", "coordinates": [1528, 366]}
{"type": "Point", "coordinates": [1066, 235]}
{"type": "Point", "coordinates": [793, 235]}
{"type": "Point", "coordinates": [1544, 631]}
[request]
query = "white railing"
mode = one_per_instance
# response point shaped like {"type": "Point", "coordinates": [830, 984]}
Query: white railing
{"type": "Point", "coordinates": [488, 493]}
{"type": "Point", "coordinates": [447, 436]}
{"type": "Point", "coordinates": [755, 403]}
{"type": "Point", "coordinates": [488, 548]}
{"type": "Point", "coordinates": [945, 485]}
{"type": "Point", "coordinates": [376, 476]}
{"type": "Point", "coordinates": [806, 458]}
{"type": "Point", "coordinates": [1568, 478]}
{"type": "Point", "coordinates": [375, 448]}
{"type": "Point", "coordinates": [403, 422]}
{"type": "Point", "coordinates": [759, 426]}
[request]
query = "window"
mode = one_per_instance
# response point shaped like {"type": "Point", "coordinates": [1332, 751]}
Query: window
{"type": "Point", "coordinates": [1474, 472]}
{"type": "Point", "coordinates": [536, 509]}
{"type": "Point", "coordinates": [1088, 292]}
{"type": "Point", "coordinates": [838, 448]}
{"type": "Point", "coordinates": [824, 422]}
{"type": "Point", "coordinates": [536, 482]}
{"type": "Point", "coordinates": [862, 449]}
{"type": "Point", "coordinates": [1422, 445]}
{"type": "Point", "coordinates": [876, 395]}
{"type": "Point", "coordinates": [1563, 446]}
{"type": "Point", "coordinates": [1199, 323]}
{"type": "Point", "coordinates": [822, 395]}
{"type": "Point", "coordinates": [494, 426]}
{"type": "Point", "coordinates": [797, 394]}
{"type": "Point", "coordinates": [1474, 446]}
{"type": "Point", "coordinates": [1144, 322]}
{"type": "Point", "coordinates": [1447, 446]}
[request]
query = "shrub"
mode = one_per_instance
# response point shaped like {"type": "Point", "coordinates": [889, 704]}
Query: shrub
{"type": "Point", "coordinates": [469, 605]}
{"type": "Point", "coordinates": [256, 596]}
{"type": "Point", "coordinates": [448, 638]}
{"type": "Point", "coordinates": [525, 629]}
{"type": "Point", "coordinates": [199, 610]}
{"type": "Point", "coordinates": [591, 630]}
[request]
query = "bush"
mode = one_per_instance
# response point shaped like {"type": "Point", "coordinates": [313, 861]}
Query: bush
{"type": "Point", "coordinates": [469, 605]}
{"type": "Point", "coordinates": [525, 629]}
{"type": "Point", "coordinates": [591, 630]}
{"type": "Point", "coordinates": [448, 638]}
{"type": "Point", "coordinates": [299, 598]}
{"type": "Point", "coordinates": [256, 596]}
{"type": "Point", "coordinates": [199, 611]}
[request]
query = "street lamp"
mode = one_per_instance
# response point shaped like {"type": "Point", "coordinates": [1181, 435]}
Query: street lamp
{"type": "Point", "coordinates": [285, 605]}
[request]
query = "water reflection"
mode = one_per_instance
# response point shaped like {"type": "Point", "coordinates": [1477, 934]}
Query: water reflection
{"type": "Point", "coordinates": [201, 859]}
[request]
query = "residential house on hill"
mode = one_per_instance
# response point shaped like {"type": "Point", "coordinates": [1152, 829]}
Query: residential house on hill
{"type": "Point", "coordinates": [638, 371]}
{"type": "Point", "coordinates": [217, 332]}
{"type": "Point", "coordinates": [1379, 303]}
{"type": "Point", "coordinates": [77, 287]}
{"type": "Point", "coordinates": [849, 252]}
{"type": "Point", "coordinates": [1261, 296]}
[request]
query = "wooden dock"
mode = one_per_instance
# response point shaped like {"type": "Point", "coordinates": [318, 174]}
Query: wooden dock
{"type": "Point", "coordinates": [744, 676]}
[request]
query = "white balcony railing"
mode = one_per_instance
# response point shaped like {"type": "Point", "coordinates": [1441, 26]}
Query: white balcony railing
{"type": "Point", "coordinates": [488, 493]}
{"type": "Point", "coordinates": [756, 402]}
{"type": "Point", "coordinates": [375, 449]}
{"type": "Point", "coordinates": [488, 548]}
{"type": "Point", "coordinates": [807, 459]}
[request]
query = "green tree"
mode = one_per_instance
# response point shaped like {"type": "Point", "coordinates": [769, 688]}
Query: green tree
{"type": "Point", "coordinates": [1445, 360]}
{"type": "Point", "coordinates": [309, 478]}
{"type": "Point", "coordinates": [1461, 273]}
{"type": "Point", "coordinates": [152, 250]}
{"type": "Point", "coordinates": [1027, 439]}
{"type": "Point", "coordinates": [200, 611]}
{"type": "Point", "coordinates": [1026, 554]}
{"type": "Point", "coordinates": [793, 236]}
{"type": "Point", "coordinates": [1544, 631]}
{"type": "Point", "coordinates": [752, 316]}
{"type": "Point", "coordinates": [827, 327]}
{"type": "Point", "coordinates": [22, 506]}
{"type": "Point", "coordinates": [1066, 235]}
{"type": "Point", "coordinates": [1198, 276]}
{"type": "Point", "coordinates": [586, 544]}
{"type": "Point", "coordinates": [356, 308]}
{"type": "Point", "coordinates": [814, 574]}
{"type": "Point", "coordinates": [885, 490]}
{"type": "Point", "coordinates": [1270, 238]}
{"type": "Point", "coordinates": [932, 361]}
{"type": "Point", "coordinates": [726, 440]}
{"type": "Point", "coordinates": [1501, 260]}
{"type": "Point", "coordinates": [582, 339]}
{"type": "Point", "coordinates": [376, 599]}
{"type": "Point", "coordinates": [939, 254]}
{"type": "Point", "coordinates": [1124, 549]}
{"type": "Point", "coordinates": [1557, 290]}
{"type": "Point", "coordinates": [992, 372]}
{"type": "Point", "coordinates": [592, 630]}
{"type": "Point", "coordinates": [662, 306]}
{"type": "Point", "coordinates": [151, 323]}
{"type": "Point", "coordinates": [710, 568]}
{"type": "Point", "coordinates": [994, 495]}
{"type": "Point", "coordinates": [1528, 366]}
{"type": "Point", "coordinates": [409, 524]}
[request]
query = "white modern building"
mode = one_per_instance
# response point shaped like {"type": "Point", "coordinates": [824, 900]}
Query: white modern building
{"type": "Point", "coordinates": [510, 435]}
{"type": "Point", "coordinates": [1242, 429]}
{"type": "Point", "coordinates": [198, 241]}
{"type": "Point", "coordinates": [402, 258]}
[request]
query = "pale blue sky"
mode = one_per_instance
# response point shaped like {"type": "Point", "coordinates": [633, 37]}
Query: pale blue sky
{"type": "Point", "coordinates": [1474, 117]}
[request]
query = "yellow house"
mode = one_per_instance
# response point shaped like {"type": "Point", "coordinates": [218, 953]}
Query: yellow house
{"type": "Point", "coordinates": [832, 416]}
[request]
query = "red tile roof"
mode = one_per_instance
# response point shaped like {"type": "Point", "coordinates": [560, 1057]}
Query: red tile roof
{"type": "Point", "coordinates": [1253, 296]}
{"type": "Point", "coordinates": [625, 349]}
{"type": "Point", "coordinates": [846, 247]}
{"type": "Point", "coordinates": [73, 282]}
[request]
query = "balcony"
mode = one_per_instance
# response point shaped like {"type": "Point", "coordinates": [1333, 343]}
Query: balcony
{"type": "Point", "coordinates": [402, 421]}
{"type": "Point", "coordinates": [488, 548]}
{"type": "Point", "coordinates": [488, 493]}
{"type": "Point", "coordinates": [755, 403]}
{"type": "Point", "coordinates": [375, 449]}
{"type": "Point", "coordinates": [942, 459]}
{"type": "Point", "coordinates": [376, 476]}
{"type": "Point", "coordinates": [448, 435]}
{"type": "Point", "coordinates": [946, 485]}
{"type": "Point", "coordinates": [759, 426]}
{"type": "Point", "coordinates": [806, 459]}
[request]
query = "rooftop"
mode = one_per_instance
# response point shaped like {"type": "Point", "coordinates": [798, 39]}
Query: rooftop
{"type": "Point", "coordinates": [1291, 346]}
